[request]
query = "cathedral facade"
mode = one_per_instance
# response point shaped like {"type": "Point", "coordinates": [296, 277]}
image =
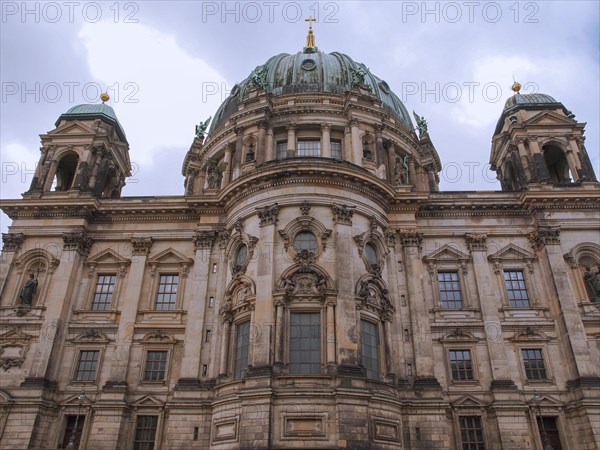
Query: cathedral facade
{"type": "Point", "coordinates": [311, 288]}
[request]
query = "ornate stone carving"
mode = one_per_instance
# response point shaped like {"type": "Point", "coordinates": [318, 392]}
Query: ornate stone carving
{"type": "Point", "coordinates": [238, 226]}
{"type": "Point", "coordinates": [268, 215]}
{"type": "Point", "coordinates": [141, 246]}
{"type": "Point", "coordinates": [307, 282]}
{"type": "Point", "coordinates": [14, 345]}
{"type": "Point", "coordinates": [12, 242]}
{"type": "Point", "coordinates": [544, 235]}
{"type": "Point", "coordinates": [410, 237]}
{"type": "Point", "coordinates": [390, 237]}
{"type": "Point", "coordinates": [342, 213]}
{"type": "Point", "coordinates": [375, 297]}
{"type": "Point", "coordinates": [477, 241]}
{"type": "Point", "coordinates": [214, 174]}
{"type": "Point", "coordinates": [204, 240]}
{"type": "Point", "coordinates": [78, 241]}
{"type": "Point", "coordinates": [305, 208]}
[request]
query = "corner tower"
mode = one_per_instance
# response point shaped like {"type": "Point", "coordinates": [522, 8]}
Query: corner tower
{"type": "Point", "coordinates": [538, 141]}
{"type": "Point", "coordinates": [86, 154]}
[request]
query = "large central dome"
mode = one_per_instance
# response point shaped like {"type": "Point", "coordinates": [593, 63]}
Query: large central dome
{"type": "Point", "coordinates": [312, 71]}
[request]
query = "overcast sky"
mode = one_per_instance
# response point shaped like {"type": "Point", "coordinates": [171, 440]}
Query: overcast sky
{"type": "Point", "coordinates": [168, 66]}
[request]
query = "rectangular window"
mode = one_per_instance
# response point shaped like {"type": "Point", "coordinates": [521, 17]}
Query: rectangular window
{"type": "Point", "coordinates": [70, 430]}
{"type": "Point", "coordinates": [305, 343]}
{"type": "Point", "coordinates": [156, 363]}
{"type": "Point", "coordinates": [104, 292]}
{"type": "Point", "coordinates": [242, 341]}
{"type": "Point", "coordinates": [534, 364]}
{"type": "Point", "coordinates": [369, 340]}
{"type": "Point", "coordinates": [309, 148]}
{"type": "Point", "coordinates": [515, 288]}
{"type": "Point", "coordinates": [282, 150]}
{"type": "Point", "coordinates": [145, 432]}
{"type": "Point", "coordinates": [87, 365]}
{"type": "Point", "coordinates": [460, 365]}
{"type": "Point", "coordinates": [336, 149]}
{"type": "Point", "coordinates": [449, 286]}
{"type": "Point", "coordinates": [550, 428]}
{"type": "Point", "coordinates": [166, 296]}
{"type": "Point", "coordinates": [471, 433]}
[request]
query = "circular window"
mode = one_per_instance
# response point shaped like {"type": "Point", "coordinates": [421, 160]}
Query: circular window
{"type": "Point", "coordinates": [370, 254]}
{"type": "Point", "coordinates": [241, 256]}
{"type": "Point", "coordinates": [308, 64]}
{"type": "Point", "coordinates": [305, 240]}
{"type": "Point", "coordinates": [384, 87]}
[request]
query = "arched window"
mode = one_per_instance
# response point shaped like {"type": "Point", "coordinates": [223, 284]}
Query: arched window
{"type": "Point", "coordinates": [305, 240]}
{"type": "Point", "coordinates": [65, 172]}
{"type": "Point", "coordinates": [556, 161]}
{"type": "Point", "coordinates": [371, 254]}
{"type": "Point", "coordinates": [242, 254]}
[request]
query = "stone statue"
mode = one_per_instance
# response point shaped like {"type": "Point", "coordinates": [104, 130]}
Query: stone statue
{"type": "Point", "coordinates": [358, 75]}
{"type": "Point", "coordinates": [201, 128]}
{"type": "Point", "coordinates": [421, 124]}
{"type": "Point", "coordinates": [26, 295]}
{"type": "Point", "coordinates": [401, 170]}
{"type": "Point", "coordinates": [214, 174]}
{"type": "Point", "coordinates": [593, 283]}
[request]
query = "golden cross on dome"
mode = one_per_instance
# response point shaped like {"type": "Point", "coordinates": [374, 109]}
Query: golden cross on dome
{"type": "Point", "coordinates": [310, 39]}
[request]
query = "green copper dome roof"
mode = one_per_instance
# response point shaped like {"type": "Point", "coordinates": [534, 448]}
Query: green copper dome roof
{"type": "Point", "coordinates": [529, 100]}
{"type": "Point", "coordinates": [94, 111]}
{"type": "Point", "coordinates": [311, 72]}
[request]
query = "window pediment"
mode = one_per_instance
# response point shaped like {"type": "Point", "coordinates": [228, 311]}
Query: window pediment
{"type": "Point", "coordinates": [529, 334]}
{"type": "Point", "coordinates": [446, 253]}
{"type": "Point", "coordinates": [158, 337]}
{"type": "Point", "coordinates": [510, 253]}
{"type": "Point", "coordinates": [91, 335]}
{"type": "Point", "coordinates": [459, 336]}
{"type": "Point", "coordinates": [170, 257]}
{"type": "Point", "coordinates": [107, 259]}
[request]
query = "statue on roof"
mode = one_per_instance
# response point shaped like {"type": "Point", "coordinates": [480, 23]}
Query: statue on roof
{"type": "Point", "coordinates": [358, 75]}
{"type": "Point", "coordinates": [201, 128]}
{"type": "Point", "coordinates": [259, 77]}
{"type": "Point", "coordinates": [421, 124]}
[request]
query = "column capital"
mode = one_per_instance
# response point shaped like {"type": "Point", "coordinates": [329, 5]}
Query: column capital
{"type": "Point", "coordinates": [78, 241]}
{"type": "Point", "coordinates": [410, 237]}
{"type": "Point", "coordinates": [263, 125]}
{"type": "Point", "coordinates": [325, 127]}
{"type": "Point", "coordinates": [141, 245]}
{"type": "Point", "coordinates": [353, 122]}
{"type": "Point", "coordinates": [544, 235]}
{"type": "Point", "coordinates": [342, 213]}
{"type": "Point", "coordinates": [290, 127]}
{"type": "Point", "coordinates": [12, 242]}
{"type": "Point", "coordinates": [477, 241]}
{"type": "Point", "coordinates": [204, 240]}
{"type": "Point", "coordinates": [268, 215]}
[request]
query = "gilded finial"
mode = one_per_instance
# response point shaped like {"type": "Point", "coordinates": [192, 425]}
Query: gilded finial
{"type": "Point", "coordinates": [104, 97]}
{"type": "Point", "coordinates": [516, 87]}
{"type": "Point", "coordinates": [310, 38]}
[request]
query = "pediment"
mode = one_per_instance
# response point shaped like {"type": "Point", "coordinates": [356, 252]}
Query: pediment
{"type": "Point", "coordinates": [549, 118]}
{"type": "Point", "coordinates": [446, 253]}
{"type": "Point", "coordinates": [529, 334]}
{"type": "Point", "coordinates": [108, 256]}
{"type": "Point", "coordinates": [468, 402]}
{"type": "Point", "coordinates": [91, 335]}
{"type": "Point", "coordinates": [14, 335]}
{"type": "Point", "coordinates": [158, 336]}
{"type": "Point", "coordinates": [548, 400]}
{"type": "Point", "coordinates": [72, 127]}
{"type": "Point", "coordinates": [459, 335]}
{"type": "Point", "coordinates": [512, 252]}
{"type": "Point", "coordinates": [147, 401]}
{"type": "Point", "coordinates": [170, 256]}
{"type": "Point", "coordinates": [73, 400]}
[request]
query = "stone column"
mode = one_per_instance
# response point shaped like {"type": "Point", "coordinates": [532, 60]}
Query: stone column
{"type": "Point", "coordinates": [423, 348]}
{"type": "Point", "coordinates": [279, 333]}
{"type": "Point", "coordinates": [239, 150]}
{"type": "Point", "coordinates": [221, 306]}
{"type": "Point", "coordinates": [195, 303]}
{"type": "Point", "coordinates": [11, 244]}
{"type": "Point", "coordinates": [573, 158]}
{"type": "Point", "coordinates": [269, 146]}
{"type": "Point", "coordinates": [540, 166]}
{"type": "Point", "coordinates": [546, 241]}
{"type": "Point", "coordinates": [326, 140]}
{"type": "Point", "coordinates": [524, 158]}
{"type": "Point", "coordinates": [291, 141]}
{"type": "Point", "coordinates": [129, 304]}
{"type": "Point", "coordinates": [488, 299]}
{"type": "Point", "coordinates": [260, 145]}
{"type": "Point", "coordinates": [347, 144]}
{"type": "Point", "coordinates": [227, 160]}
{"type": "Point", "coordinates": [387, 336]}
{"type": "Point", "coordinates": [412, 173]}
{"type": "Point", "coordinates": [225, 346]}
{"type": "Point", "coordinates": [261, 348]}
{"type": "Point", "coordinates": [391, 162]}
{"type": "Point", "coordinates": [380, 154]}
{"type": "Point", "coordinates": [330, 334]}
{"type": "Point", "coordinates": [356, 142]}
{"type": "Point", "coordinates": [76, 246]}
{"type": "Point", "coordinates": [347, 332]}
{"type": "Point", "coordinates": [50, 176]}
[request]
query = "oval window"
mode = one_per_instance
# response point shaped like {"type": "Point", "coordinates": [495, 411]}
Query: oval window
{"type": "Point", "coordinates": [305, 240]}
{"type": "Point", "coordinates": [370, 254]}
{"type": "Point", "coordinates": [241, 256]}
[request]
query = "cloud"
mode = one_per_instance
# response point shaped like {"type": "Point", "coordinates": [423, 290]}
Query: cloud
{"type": "Point", "coordinates": [157, 86]}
